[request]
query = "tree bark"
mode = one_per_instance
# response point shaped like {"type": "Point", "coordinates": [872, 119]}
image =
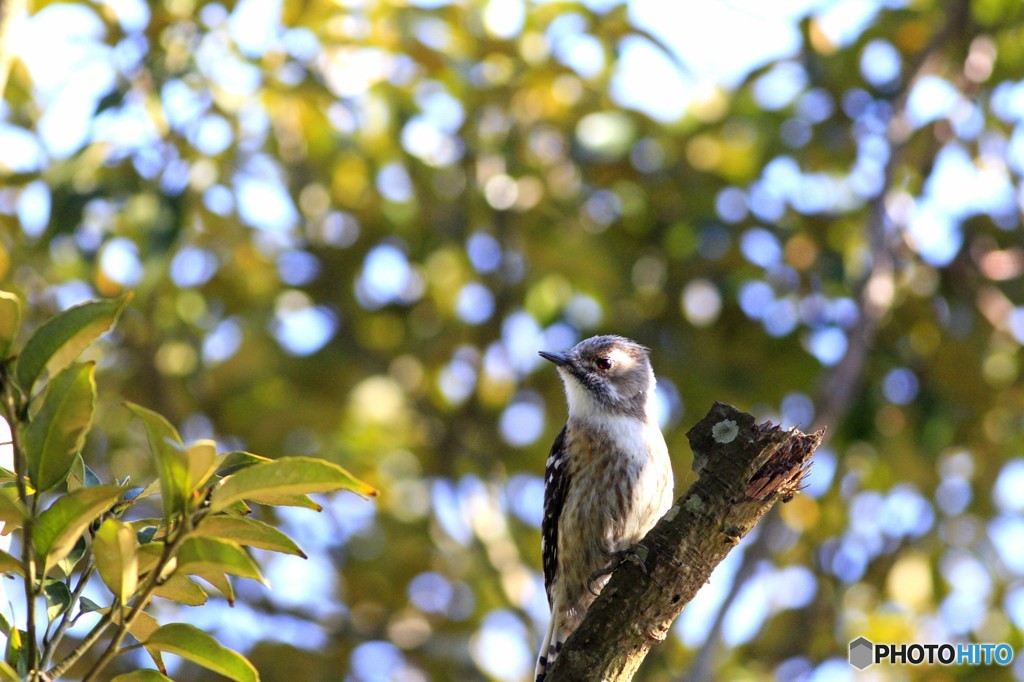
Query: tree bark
{"type": "Point", "coordinates": [743, 468]}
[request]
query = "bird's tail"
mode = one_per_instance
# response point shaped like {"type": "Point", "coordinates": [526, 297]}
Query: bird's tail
{"type": "Point", "coordinates": [549, 649]}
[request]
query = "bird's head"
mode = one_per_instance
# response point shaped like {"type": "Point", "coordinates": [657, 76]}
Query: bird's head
{"type": "Point", "coordinates": [605, 376]}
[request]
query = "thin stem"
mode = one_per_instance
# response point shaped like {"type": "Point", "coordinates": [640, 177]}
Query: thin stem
{"type": "Point", "coordinates": [66, 621]}
{"type": "Point", "coordinates": [13, 414]}
{"type": "Point", "coordinates": [87, 643]}
{"type": "Point", "coordinates": [153, 581]}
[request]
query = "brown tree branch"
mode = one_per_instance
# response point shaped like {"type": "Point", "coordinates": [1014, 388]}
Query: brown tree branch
{"type": "Point", "coordinates": [743, 469]}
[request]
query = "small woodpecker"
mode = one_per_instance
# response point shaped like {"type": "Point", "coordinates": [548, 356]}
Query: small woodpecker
{"type": "Point", "coordinates": [607, 480]}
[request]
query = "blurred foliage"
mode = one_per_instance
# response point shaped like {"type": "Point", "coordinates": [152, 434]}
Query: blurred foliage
{"type": "Point", "coordinates": [350, 229]}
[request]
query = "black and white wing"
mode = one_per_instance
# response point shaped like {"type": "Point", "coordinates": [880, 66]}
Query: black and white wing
{"type": "Point", "coordinates": [556, 486]}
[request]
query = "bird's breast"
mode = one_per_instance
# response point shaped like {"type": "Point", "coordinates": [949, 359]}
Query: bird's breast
{"type": "Point", "coordinates": [622, 476]}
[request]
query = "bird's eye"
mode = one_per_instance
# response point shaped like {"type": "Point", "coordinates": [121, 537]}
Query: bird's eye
{"type": "Point", "coordinates": [604, 364]}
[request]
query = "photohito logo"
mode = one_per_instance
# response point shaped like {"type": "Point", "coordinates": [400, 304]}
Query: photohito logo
{"type": "Point", "coordinates": [864, 652]}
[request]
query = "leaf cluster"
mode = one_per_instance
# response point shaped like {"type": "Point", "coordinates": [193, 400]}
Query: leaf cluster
{"type": "Point", "coordinates": [73, 527]}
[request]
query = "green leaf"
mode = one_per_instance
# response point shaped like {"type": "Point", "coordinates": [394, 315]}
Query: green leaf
{"type": "Point", "coordinates": [221, 582]}
{"type": "Point", "coordinates": [86, 605]}
{"type": "Point", "coordinates": [287, 476]}
{"type": "Point", "coordinates": [144, 675]}
{"type": "Point", "coordinates": [114, 550]}
{"type": "Point", "coordinates": [57, 432]}
{"type": "Point", "coordinates": [58, 598]}
{"type": "Point", "coordinates": [184, 469]}
{"type": "Point", "coordinates": [62, 338]}
{"type": "Point", "coordinates": [10, 320]}
{"type": "Point", "coordinates": [249, 532]}
{"type": "Point", "coordinates": [8, 564]}
{"type": "Point", "coordinates": [158, 659]}
{"type": "Point", "coordinates": [67, 564]}
{"type": "Point", "coordinates": [152, 489]}
{"type": "Point", "coordinates": [81, 476]}
{"type": "Point", "coordinates": [195, 645]}
{"type": "Point", "coordinates": [300, 501]}
{"type": "Point", "coordinates": [242, 509]}
{"type": "Point", "coordinates": [201, 459]}
{"type": "Point", "coordinates": [145, 534]}
{"type": "Point", "coordinates": [158, 429]}
{"type": "Point", "coordinates": [199, 555]}
{"type": "Point", "coordinates": [141, 628]}
{"type": "Point", "coordinates": [7, 673]}
{"type": "Point", "coordinates": [58, 528]}
{"type": "Point", "coordinates": [149, 556]}
{"type": "Point", "coordinates": [173, 461]}
{"type": "Point", "coordinates": [182, 589]}
{"type": "Point", "coordinates": [15, 652]}
{"type": "Point", "coordinates": [236, 460]}
{"type": "Point", "coordinates": [12, 511]}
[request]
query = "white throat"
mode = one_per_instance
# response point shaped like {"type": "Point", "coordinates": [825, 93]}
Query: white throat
{"type": "Point", "coordinates": [583, 407]}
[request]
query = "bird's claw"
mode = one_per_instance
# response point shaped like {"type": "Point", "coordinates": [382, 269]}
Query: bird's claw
{"type": "Point", "coordinates": [637, 554]}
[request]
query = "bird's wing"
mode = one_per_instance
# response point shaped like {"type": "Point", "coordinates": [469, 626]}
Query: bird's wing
{"type": "Point", "coordinates": [556, 485]}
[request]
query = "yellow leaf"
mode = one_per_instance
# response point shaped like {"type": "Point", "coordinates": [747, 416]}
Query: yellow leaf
{"type": "Point", "coordinates": [116, 556]}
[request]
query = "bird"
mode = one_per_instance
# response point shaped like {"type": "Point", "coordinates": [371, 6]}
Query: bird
{"type": "Point", "coordinates": [607, 480]}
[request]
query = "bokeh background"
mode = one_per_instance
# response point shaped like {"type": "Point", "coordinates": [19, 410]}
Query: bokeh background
{"type": "Point", "coordinates": [351, 224]}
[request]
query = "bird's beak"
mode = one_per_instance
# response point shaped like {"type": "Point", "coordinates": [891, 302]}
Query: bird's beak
{"type": "Point", "coordinates": [560, 359]}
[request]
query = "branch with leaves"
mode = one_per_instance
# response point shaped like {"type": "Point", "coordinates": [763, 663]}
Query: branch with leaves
{"type": "Point", "coordinates": [743, 469]}
{"type": "Point", "coordinates": [73, 527]}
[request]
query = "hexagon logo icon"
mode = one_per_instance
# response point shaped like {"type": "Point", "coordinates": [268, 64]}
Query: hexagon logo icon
{"type": "Point", "coordinates": [862, 653]}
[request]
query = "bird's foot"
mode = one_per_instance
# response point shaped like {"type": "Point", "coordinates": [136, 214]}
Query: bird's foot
{"type": "Point", "coordinates": [637, 554]}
